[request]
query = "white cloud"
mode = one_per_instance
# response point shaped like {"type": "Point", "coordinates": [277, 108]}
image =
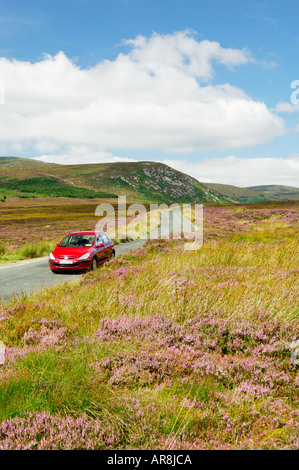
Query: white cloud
{"type": "Point", "coordinates": [182, 52]}
{"type": "Point", "coordinates": [242, 172]}
{"type": "Point", "coordinates": [269, 64]}
{"type": "Point", "coordinates": [156, 96]}
{"type": "Point", "coordinates": [77, 155]}
{"type": "Point", "coordinates": [283, 107]}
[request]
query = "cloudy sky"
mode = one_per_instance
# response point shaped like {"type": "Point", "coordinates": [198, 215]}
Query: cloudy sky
{"type": "Point", "coordinates": [210, 87]}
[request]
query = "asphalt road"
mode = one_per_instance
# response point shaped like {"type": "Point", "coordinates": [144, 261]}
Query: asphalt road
{"type": "Point", "coordinates": [26, 277]}
{"type": "Point", "coordinates": [32, 276]}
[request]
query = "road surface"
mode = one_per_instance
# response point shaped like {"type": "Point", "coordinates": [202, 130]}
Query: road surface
{"type": "Point", "coordinates": [27, 277]}
{"type": "Point", "coordinates": [32, 276]}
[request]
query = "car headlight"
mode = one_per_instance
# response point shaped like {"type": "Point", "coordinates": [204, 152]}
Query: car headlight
{"type": "Point", "coordinates": [86, 256]}
{"type": "Point", "coordinates": [52, 257]}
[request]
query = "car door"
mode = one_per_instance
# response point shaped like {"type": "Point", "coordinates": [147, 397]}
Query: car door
{"type": "Point", "coordinates": [107, 249]}
{"type": "Point", "coordinates": [110, 246]}
{"type": "Point", "coordinates": [100, 247]}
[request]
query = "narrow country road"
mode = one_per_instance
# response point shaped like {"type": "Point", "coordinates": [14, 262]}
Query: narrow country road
{"type": "Point", "coordinates": [31, 276]}
{"type": "Point", "coordinates": [26, 277]}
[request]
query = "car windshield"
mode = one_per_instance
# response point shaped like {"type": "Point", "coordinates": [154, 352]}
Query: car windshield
{"type": "Point", "coordinates": [76, 240]}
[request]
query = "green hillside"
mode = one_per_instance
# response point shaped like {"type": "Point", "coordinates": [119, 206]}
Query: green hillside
{"type": "Point", "coordinates": [140, 181]}
{"type": "Point", "coordinates": [47, 187]}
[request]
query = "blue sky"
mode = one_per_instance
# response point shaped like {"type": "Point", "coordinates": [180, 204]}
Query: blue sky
{"type": "Point", "coordinates": [202, 85]}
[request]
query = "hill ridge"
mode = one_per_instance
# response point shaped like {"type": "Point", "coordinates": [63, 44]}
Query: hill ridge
{"type": "Point", "coordinates": [146, 181]}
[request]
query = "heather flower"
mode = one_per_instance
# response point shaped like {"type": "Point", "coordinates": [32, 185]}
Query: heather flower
{"type": "Point", "coordinates": [42, 335]}
{"type": "Point", "coordinates": [42, 431]}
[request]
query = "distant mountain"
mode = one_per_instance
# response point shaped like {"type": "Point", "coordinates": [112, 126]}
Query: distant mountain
{"type": "Point", "coordinates": [256, 193]}
{"type": "Point", "coordinates": [237, 194]}
{"type": "Point", "coordinates": [277, 192]}
{"type": "Point", "coordinates": [140, 181]}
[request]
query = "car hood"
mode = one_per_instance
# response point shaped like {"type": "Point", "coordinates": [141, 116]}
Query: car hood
{"type": "Point", "coordinates": [76, 251]}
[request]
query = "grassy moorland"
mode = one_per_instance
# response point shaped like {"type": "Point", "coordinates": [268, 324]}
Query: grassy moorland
{"type": "Point", "coordinates": [163, 348]}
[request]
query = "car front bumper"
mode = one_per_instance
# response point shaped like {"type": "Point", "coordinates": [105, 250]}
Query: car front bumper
{"type": "Point", "coordinates": [78, 265]}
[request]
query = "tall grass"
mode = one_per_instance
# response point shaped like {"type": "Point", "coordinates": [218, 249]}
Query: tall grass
{"type": "Point", "coordinates": [28, 251]}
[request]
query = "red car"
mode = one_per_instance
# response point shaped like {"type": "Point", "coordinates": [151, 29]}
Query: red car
{"type": "Point", "coordinates": [81, 251]}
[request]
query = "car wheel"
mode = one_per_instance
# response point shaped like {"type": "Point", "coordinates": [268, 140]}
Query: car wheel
{"type": "Point", "coordinates": [94, 264]}
{"type": "Point", "coordinates": [112, 255]}
{"type": "Point", "coordinates": [54, 271]}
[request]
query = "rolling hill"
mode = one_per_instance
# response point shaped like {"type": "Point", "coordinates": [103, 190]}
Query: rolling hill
{"type": "Point", "coordinates": [277, 192]}
{"type": "Point", "coordinates": [237, 194]}
{"type": "Point", "coordinates": [140, 181]}
{"type": "Point", "coordinates": [256, 193]}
